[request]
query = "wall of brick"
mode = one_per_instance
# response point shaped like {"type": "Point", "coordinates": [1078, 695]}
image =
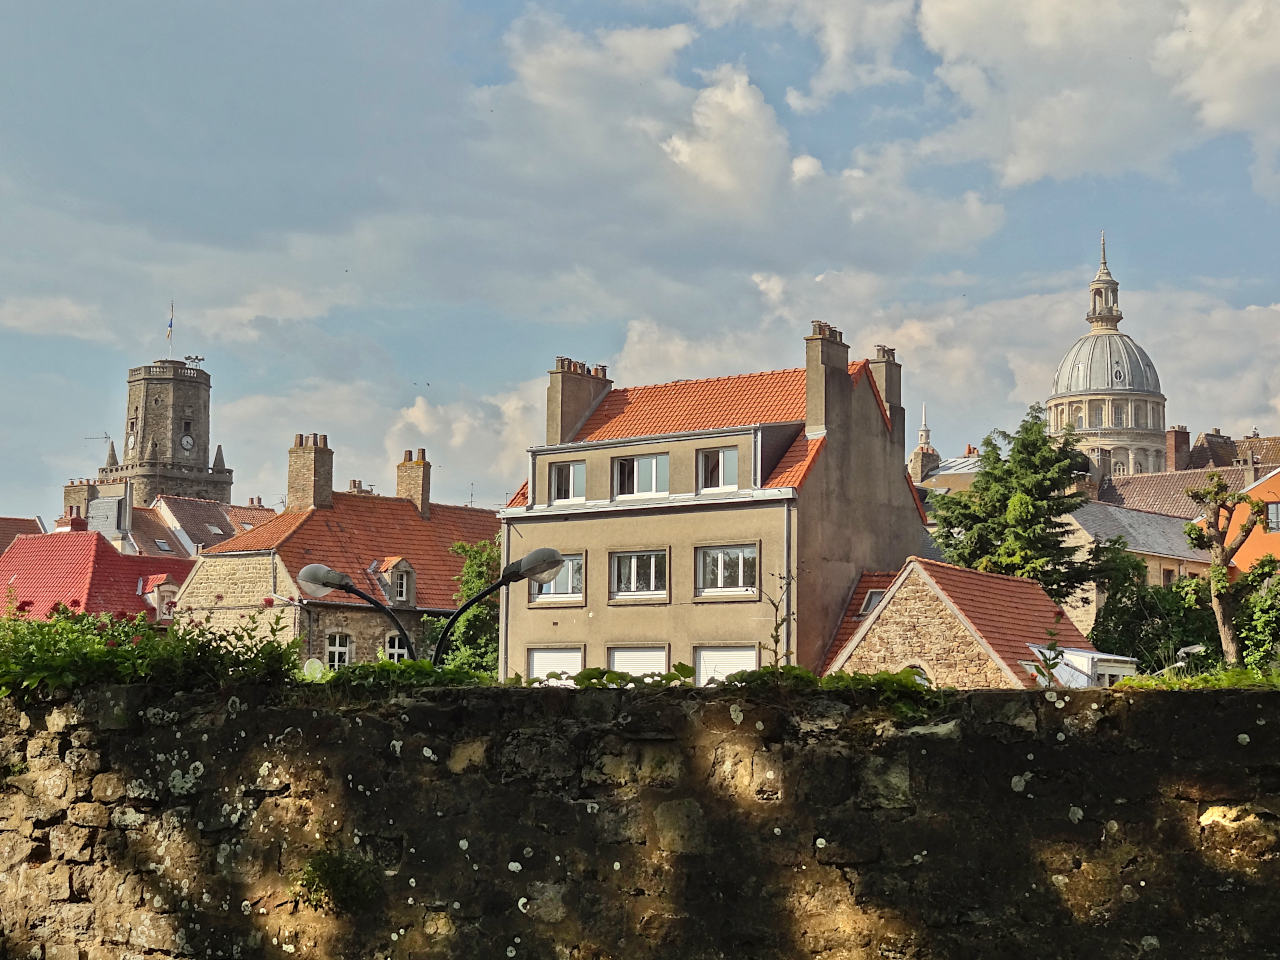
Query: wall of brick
{"type": "Point", "coordinates": [918, 629]}
{"type": "Point", "coordinates": [565, 824]}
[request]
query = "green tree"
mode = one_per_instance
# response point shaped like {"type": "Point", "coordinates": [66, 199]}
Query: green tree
{"type": "Point", "coordinates": [1151, 622]}
{"type": "Point", "coordinates": [1010, 520]}
{"type": "Point", "coordinates": [1220, 506]}
{"type": "Point", "coordinates": [1259, 617]}
{"type": "Point", "coordinates": [474, 642]}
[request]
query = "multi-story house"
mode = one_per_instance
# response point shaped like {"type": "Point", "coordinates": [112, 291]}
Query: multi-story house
{"type": "Point", "coordinates": [686, 511]}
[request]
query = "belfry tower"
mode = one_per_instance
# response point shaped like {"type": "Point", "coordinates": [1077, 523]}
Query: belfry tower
{"type": "Point", "coordinates": [166, 443]}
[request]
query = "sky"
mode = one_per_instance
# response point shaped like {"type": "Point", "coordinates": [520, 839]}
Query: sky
{"type": "Point", "coordinates": [383, 221]}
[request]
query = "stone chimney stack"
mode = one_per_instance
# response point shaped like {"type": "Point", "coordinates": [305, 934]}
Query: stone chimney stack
{"type": "Point", "coordinates": [413, 481]}
{"type": "Point", "coordinates": [828, 391]}
{"type": "Point", "coordinates": [1177, 448]}
{"type": "Point", "coordinates": [573, 393]}
{"type": "Point", "coordinates": [888, 375]}
{"type": "Point", "coordinates": [310, 473]}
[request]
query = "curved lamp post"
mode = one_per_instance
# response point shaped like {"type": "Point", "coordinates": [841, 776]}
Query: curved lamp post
{"type": "Point", "coordinates": [317, 580]}
{"type": "Point", "coordinates": [540, 566]}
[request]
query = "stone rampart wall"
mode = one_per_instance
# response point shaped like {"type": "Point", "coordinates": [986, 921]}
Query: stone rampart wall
{"type": "Point", "coordinates": [628, 824]}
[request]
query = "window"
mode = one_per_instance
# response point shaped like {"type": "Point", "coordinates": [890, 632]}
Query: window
{"type": "Point", "coordinates": [873, 597]}
{"type": "Point", "coordinates": [1167, 576]}
{"type": "Point", "coordinates": [640, 476]}
{"type": "Point", "coordinates": [1118, 468]}
{"type": "Point", "coordinates": [1117, 416]}
{"type": "Point", "coordinates": [338, 649]}
{"type": "Point", "coordinates": [726, 569]}
{"type": "Point", "coordinates": [718, 469]}
{"type": "Point", "coordinates": [638, 660]}
{"type": "Point", "coordinates": [401, 588]}
{"type": "Point", "coordinates": [569, 481]}
{"type": "Point", "coordinates": [164, 546]}
{"type": "Point", "coordinates": [1095, 416]}
{"type": "Point", "coordinates": [544, 660]}
{"type": "Point", "coordinates": [397, 648]}
{"type": "Point", "coordinates": [214, 528]}
{"type": "Point", "coordinates": [638, 574]}
{"type": "Point", "coordinates": [566, 586]}
{"type": "Point", "coordinates": [716, 663]}
{"type": "Point", "coordinates": [1273, 517]}
{"type": "Point", "coordinates": [186, 426]}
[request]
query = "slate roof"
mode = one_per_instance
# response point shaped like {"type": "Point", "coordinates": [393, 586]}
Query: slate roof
{"type": "Point", "coordinates": [81, 566]}
{"type": "Point", "coordinates": [1144, 532]}
{"type": "Point", "coordinates": [11, 527]}
{"type": "Point", "coordinates": [1166, 492]}
{"type": "Point", "coordinates": [1009, 614]}
{"type": "Point", "coordinates": [360, 531]}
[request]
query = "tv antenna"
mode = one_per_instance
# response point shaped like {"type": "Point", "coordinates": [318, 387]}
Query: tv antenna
{"type": "Point", "coordinates": [105, 438]}
{"type": "Point", "coordinates": [193, 361]}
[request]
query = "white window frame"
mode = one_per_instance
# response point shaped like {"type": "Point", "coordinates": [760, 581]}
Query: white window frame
{"type": "Point", "coordinates": [547, 592]}
{"type": "Point", "coordinates": [872, 598]}
{"type": "Point", "coordinates": [1273, 517]}
{"type": "Point", "coordinates": [337, 649]}
{"type": "Point", "coordinates": [743, 551]}
{"type": "Point", "coordinates": [642, 463]}
{"type": "Point", "coordinates": [637, 560]}
{"type": "Point", "coordinates": [661, 654]}
{"type": "Point", "coordinates": [396, 647]}
{"type": "Point", "coordinates": [728, 477]}
{"type": "Point", "coordinates": [400, 585]}
{"type": "Point", "coordinates": [576, 471]}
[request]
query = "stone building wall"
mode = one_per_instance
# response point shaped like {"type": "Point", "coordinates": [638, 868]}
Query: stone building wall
{"type": "Point", "coordinates": [917, 629]}
{"type": "Point", "coordinates": [584, 825]}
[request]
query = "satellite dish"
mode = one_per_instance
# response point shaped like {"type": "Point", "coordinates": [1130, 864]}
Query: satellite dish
{"type": "Point", "coordinates": [313, 669]}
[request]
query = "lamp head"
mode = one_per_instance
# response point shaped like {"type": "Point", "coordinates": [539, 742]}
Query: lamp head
{"type": "Point", "coordinates": [540, 566]}
{"type": "Point", "coordinates": [316, 580]}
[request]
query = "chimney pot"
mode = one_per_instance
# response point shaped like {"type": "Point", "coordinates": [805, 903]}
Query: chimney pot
{"type": "Point", "coordinates": [297, 439]}
{"type": "Point", "coordinates": [408, 456]}
{"type": "Point", "coordinates": [422, 453]}
{"type": "Point", "coordinates": [324, 440]}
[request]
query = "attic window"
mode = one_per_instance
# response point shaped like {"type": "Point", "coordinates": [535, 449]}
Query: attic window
{"type": "Point", "coordinates": [164, 546]}
{"type": "Point", "coordinates": [214, 528]}
{"type": "Point", "coordinates": [869, 604]}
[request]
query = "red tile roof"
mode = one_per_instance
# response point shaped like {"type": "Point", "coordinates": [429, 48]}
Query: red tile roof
{"type": "Point", "coordinates": [1009, 613]}
{"type": "Point", "coordinates": [199, 518]}
{"type": "Point", "coordinates": [521, 497]}
{"type": "Point", "coordinates": [361, 531]}
{"type": "Point", "coordinates": [246, 518]}
{"type": "Point", "coordinates": [853, 615]}
{"type": "Point", "coordinates": [11, 527]}
{"type": "Point", "coordinates": [1167, 492]}
{"type": "Point", "coordinates": [81, 566]}
{"type": "Point", "coordinates": [795, 463]}
{"type": "Point", "coordinates": [745, 400]}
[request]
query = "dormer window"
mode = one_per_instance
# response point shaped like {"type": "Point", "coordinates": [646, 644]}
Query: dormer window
{"type": "Point", "coordinates": [718, 470]}
{"type": "Point", "coordinates": [640, 476]}
{"type": "Point", "coordinates": [569, 481]}
{"type": "Point", "coordinates": [400, 582]}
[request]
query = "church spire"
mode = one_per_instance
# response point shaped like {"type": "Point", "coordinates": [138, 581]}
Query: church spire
{"type": "Point", "coordinates": [1104, 296]}
{"type": "Point", "coordinates": [925, 443]}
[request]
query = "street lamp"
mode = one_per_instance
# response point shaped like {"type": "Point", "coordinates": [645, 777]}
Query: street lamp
{"type": "Point", "coordinates": [540, 566]}
{"type": "Point", "coordinates": [317, 580]}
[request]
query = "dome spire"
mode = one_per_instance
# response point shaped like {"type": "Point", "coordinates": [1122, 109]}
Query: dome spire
{"type": "Point", "coordinates": [1104, 296]}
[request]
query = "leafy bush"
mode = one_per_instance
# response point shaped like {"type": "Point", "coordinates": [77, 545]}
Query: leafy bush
{"type": "Point", "coordinates": [1217, 678]}
{"type": "Point", "coordinates": [339, 880]}
{"type": "Point", "coordinates": [70, 650]}
{"type": "Point", "coordinates": [388, 677]}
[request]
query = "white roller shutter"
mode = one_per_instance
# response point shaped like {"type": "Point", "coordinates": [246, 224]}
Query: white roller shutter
{"type": "Point", "coordinates": [638, 659]}
{"type": "Point", "coordinates": [719, 662]}
{"type": "Point", "coordinates": [544, 660]}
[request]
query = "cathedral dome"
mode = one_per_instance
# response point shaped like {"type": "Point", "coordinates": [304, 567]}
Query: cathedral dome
{"type": "Point", "coordinates": [1106, 361]}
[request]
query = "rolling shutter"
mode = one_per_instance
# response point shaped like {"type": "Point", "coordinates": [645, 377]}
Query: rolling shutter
{"type": "Point", "coordinates": [719, 662]}
{"type": "Point", "coordinates": [638, 659]}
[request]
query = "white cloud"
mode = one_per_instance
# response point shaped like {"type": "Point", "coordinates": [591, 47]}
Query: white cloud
{"type": "Point", "coordinates": [55, 317]}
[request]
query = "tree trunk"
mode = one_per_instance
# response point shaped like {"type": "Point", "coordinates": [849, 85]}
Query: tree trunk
{"type": "Point", "coordinates": [1224, 612]}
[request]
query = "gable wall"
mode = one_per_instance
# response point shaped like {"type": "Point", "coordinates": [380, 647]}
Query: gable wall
{"type": "Point", "coordinates": [917, 628]}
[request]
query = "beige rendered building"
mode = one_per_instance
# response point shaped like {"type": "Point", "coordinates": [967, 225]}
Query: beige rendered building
{"type": "Point", "coordinates": [1106, 390]}
{"type": "Point", "coordinates": [683, 508]}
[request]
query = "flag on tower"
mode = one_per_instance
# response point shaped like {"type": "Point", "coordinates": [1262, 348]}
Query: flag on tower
{"type": "Point", "coordinates": [168, 334]}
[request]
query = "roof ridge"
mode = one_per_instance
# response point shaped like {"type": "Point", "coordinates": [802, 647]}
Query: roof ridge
{"type": "Point", "coordinates": [697, 380]}
{"type": "Point", "coordinates": [981, 573]}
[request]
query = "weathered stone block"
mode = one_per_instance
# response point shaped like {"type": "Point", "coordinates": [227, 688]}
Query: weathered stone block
{"type": "Point", "coordinates": [681, 826]}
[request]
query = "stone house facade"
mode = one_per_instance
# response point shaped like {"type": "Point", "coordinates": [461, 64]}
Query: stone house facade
{"type": "Point", "coordinates": [970, 630]}
{"type": "Point", "coordinates": [684, 508]}
{"type": "Point", "coordinates": [394, 548]}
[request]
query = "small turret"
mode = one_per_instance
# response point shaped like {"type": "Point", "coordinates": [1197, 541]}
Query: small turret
{"type": "Point", "coordinates": [112, 460]}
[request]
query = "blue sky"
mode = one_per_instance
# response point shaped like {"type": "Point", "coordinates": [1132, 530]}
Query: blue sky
{"type": "Point", "coordinates": [382, 221]}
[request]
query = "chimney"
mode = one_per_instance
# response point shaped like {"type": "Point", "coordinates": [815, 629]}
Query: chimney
{"type": "Point", "coordinates": [828, 391]}
{"type": "Point", "coordinates": [971, 451]}
{"type": "Point", "coordinates": [572, 394]}
{"type": "Point", "coordinates": [310, 473]}
{"type": "Point", "coordinates": [888, 373]}
{"type": "Point", "coordinates": [413, 481]}
{"type": "Point", "coordinates": [1177, 448]}
{"type": "Point", "coordinates": [70, 523]}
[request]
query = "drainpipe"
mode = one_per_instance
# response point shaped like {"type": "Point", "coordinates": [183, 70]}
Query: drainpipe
{"type": "Point", "coordinates": [786, 560]}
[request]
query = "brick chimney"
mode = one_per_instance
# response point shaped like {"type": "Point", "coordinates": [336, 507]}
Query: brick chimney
{"type": "Point", "coordinates": [572, 394]}
{"type": "Point", "coordinates": [71, 522]}
{"type": "Point", "coordinates": [1177, 448]}
{"type": "Point", "coordinates": [888, 373]}
{"type": "Point", "coordinates": [310, 473]}
{"type": "Point", "coordinates": [828, 391]}
{"type": "Point", "coordinates": [413, 481]}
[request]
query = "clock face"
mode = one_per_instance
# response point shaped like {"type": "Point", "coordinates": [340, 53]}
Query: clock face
{"type": "Point", "coordinates": [187, 442]}
{"type": "Point", "coordinates": [131, 441]}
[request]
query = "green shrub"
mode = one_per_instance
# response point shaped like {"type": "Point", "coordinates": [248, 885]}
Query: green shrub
{"type": "Point", "coordinates": [1215, 678]}
{"type": "Point", "coordinates": [339, 880]}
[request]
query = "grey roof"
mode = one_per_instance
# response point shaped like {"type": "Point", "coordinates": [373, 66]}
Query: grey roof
{"type": "Point", "coordinates": [928, 548]}
{"type": "Point", "coordinates": [1106, 361]}
{"type": "Point", "coordinates": [958, 465]}
{"type": "Point", "coordinates": [1154, 533]}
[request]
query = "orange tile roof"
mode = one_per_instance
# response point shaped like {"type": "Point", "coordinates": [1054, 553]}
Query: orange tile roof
{"type": "Point", "coordinates": [853, 615]}
{"type": "Point", "coordinates": [521, 497]}
{"type": "Point", "coordinates": [11, 527]}
{"type": "Point", "coordinates": [83, 567]}
{"type": "Point", "coordinates": [795, 463]}
{"type": "Point", "coordinates": [361, 530]}
{"type": "Point", "coordinates": [1009, 613]}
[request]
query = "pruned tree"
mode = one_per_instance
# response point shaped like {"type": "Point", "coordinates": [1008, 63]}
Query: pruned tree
{"type": "Point", "coordinates": [1221, 508]}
